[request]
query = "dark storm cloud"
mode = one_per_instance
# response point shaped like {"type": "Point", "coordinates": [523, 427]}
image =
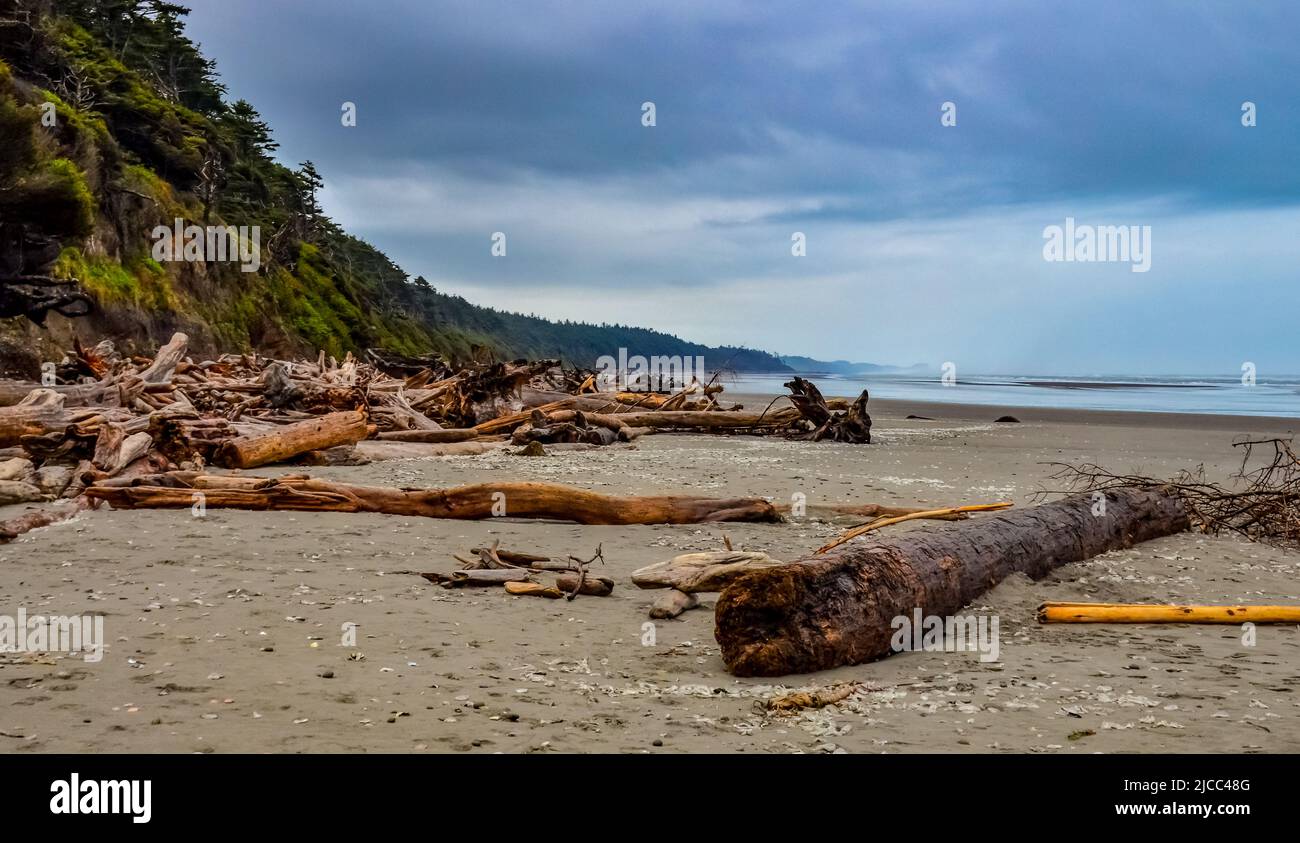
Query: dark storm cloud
{"type": "Point", "coordinates": [1053, 99]}
{"type": "Point", "coordinates": [524, 117]}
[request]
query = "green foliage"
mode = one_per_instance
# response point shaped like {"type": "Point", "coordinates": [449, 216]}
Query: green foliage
{"type": "Point", "coordinates": [107, 280]}
{"type": "Point", "coordinates": [54, 193]}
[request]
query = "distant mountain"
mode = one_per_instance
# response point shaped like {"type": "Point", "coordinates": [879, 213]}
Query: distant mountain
{"type": "Point", "coordinates": [844, 368]}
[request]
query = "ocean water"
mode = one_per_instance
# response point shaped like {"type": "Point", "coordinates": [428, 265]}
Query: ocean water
{"type": "Point", "coordinates": [1225, 395]}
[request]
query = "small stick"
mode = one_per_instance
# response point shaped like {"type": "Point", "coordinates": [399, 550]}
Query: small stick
{"type": "Point", "coordinates": [930, 513]}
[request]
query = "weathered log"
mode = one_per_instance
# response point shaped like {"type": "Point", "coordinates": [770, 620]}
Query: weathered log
{"type": "Point", "coordinates": [837, 609]}
{"type": "Point", "coordinates": [631, 434]}
{"type": "Point", "coordinates": [184, 437]}
{"type": "Point", "coordinates": [710, 570]}
{"type": "Point", "coordinates": [599, 419]}
{"type": "Point", "coordinates": [62, 511]}
{"type": "Point", "coordinates": [486, 500]}
{"type": "Point", "coordinates": [346, 428]}
{"type": "Point", "coordinates": [852, 425]}
{"type": "Point", "coordinates": [588, 584]}
{"type": "Point", "coordinates": [672, 603]}
{"type": "Point", "coordinates": [41, 412]}
{"type": "Point", "coordinates": [108, 445]}
{"type": "Point", "coordinates": [164, 362]}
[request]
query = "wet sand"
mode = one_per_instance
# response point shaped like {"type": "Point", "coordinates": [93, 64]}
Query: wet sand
{"type": "Point", "coordinates": [225, 632]}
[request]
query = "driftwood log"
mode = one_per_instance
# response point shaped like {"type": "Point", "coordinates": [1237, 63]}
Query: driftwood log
{"type": "Point", "coordinates": [708, 570]}
{"type": "Point", "coordinates": [277, 445]}
{"type": "Point", "coordinates": [852, 425]}
{"type": "Point", "coordinates": [837, 609]}
{"type": "Point", "coordinates": [485, 500]}
{"type": "Point", "coordinates": [37, 414]}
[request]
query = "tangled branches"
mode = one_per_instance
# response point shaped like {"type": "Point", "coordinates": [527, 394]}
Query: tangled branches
{"type": "Point", "coordinates": [1260, 503]}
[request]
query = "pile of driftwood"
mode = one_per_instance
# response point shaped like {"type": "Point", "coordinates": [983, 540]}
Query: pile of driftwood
{"type": "Point", "coordinates": [99, 416]}
{"type": "Point", "coordinates": [516, 572]}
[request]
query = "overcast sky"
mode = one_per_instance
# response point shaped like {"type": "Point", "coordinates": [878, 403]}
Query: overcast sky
{"type": "Point", "coordinates": [924, 241]}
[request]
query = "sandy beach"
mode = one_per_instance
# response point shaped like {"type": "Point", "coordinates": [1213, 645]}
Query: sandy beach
{"type": "Point", "coordinates": [225, 632]}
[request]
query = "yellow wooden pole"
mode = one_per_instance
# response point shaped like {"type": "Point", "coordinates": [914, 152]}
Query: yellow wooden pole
{"type": "Point", "coordinates": [1161, 613]}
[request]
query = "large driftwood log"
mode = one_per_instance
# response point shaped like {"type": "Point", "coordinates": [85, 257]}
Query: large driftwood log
{"type": "Point", "coordinates": [837, 609]}
{"type": "Point", "coordinates": [486, 500]}
{"type": "Point", "coordinates": [277, 445]}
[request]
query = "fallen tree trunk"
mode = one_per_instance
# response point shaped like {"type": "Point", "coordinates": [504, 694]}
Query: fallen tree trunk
{"type": "Point", "coordinates": [277, 445]}
{"type": "Point", "coordinates": [838, 608]}
{"type": "Point", "coordinates": [486, 500]}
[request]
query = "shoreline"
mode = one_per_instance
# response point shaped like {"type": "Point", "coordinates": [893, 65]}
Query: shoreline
{"type": "Point", "coordinates": [893, 408]}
